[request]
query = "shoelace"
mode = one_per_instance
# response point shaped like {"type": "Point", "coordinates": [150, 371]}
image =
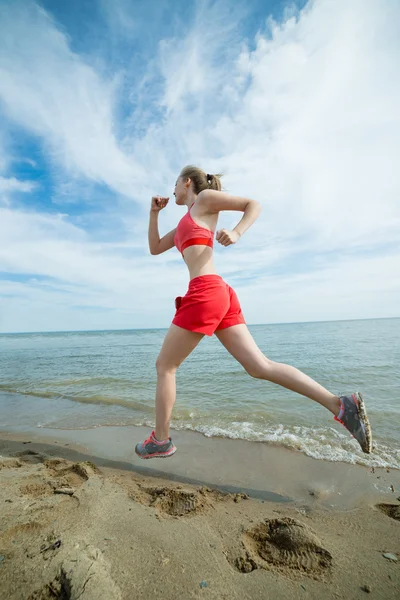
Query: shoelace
{"type": "Point", "coordinates": [149, 439]}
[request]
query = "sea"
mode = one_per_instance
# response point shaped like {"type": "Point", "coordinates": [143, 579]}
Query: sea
{"type": "Point", "coordinates": [87, 379]}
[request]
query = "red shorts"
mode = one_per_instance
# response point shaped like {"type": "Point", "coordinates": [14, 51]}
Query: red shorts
{"type": "Point", "coordinates": [209, 305]}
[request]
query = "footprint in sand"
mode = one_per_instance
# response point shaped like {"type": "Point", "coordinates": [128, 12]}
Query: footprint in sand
{"type": "Point", "coordinates": [9, 462]}
{"type": "Point", "coordinates": [84, 575]}
{"type": "Point", "coordinates": [21, 530]}
{"type": "Point", "coordinates": [31, 457]}
{"type": "Point", "coordinates": [284, 544]}
{"type": "Point", "coordinates": [69, 474]}
{"type": "Point", "coordinates": [50, 591]}
{"type": "Point", "coordinates": [174, 501]}
{"type": "Point", "coordinates": [62, 477]}
{"type": "Point", "coordinates": [37, 490]}
{"type": "Point", "coordinates": [178, 501]}
{"type": "Point", "coordinates": [391, 510]}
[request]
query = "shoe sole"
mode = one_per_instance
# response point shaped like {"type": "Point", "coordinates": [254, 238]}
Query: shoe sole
{"type": "Point", "coordinates": [362, 413]}
{"type": "Point", "coordinates": [156, 455]}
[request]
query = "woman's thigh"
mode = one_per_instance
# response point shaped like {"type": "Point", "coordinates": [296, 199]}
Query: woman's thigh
{"type": "Point", "coordinates": [240, 343]}
{"type": "Point", "coordinates": [177, 345]}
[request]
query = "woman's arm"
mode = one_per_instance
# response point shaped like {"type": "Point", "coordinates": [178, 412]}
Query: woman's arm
{"type": "Point", "coordinates": [215, 201]}
{"type": "Point", "coordinates": [157, 245]}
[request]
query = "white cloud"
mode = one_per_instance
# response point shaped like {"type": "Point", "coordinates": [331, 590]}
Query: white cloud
{"type": "Point", "coordinates": [304, 118]}
{"type": "Point", "coordinates": [351, 288]}
{"type": "Point", "coordinates": [11, 184]}
{"type": "Point", "coordinates": [310, 121]}
{"type": "Point", "coordinates": [191, 65]}
{"type": "Point", "coordinates": [55, 94]}
{"type": "Point", "coordinates": [63, 270]}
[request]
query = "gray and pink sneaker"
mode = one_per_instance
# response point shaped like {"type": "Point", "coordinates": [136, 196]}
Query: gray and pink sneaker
{"type": "Point", "coordinates": [354, 417]}
{"type": "Point", "coordinates": [152, 448]}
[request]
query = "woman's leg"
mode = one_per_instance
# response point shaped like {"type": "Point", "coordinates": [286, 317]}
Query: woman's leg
{"type": "Point", "coordinates": [177, 346]}
{"type": "Point", "coordinates": [240, 343]}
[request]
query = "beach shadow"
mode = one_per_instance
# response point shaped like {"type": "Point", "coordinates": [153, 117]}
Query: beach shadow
{"type": "Point", "coordinates": [39, 452]}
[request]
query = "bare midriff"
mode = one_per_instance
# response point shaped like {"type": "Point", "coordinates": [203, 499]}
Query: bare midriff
{"type": "Point", "coordinates": [199, 261]}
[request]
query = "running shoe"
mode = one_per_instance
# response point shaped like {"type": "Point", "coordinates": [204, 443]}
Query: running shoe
{"type": "Point", "coordinates": [354, 417]}
{"type": "Point", "coordinates": [152, 448]}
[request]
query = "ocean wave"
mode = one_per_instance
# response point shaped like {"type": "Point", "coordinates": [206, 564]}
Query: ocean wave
{"type": "Point", "coordinates": [94, 399]}
{"type": "Point", "coordinates": [319, 443]}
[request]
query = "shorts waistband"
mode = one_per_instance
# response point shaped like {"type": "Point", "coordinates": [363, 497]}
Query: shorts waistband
{"type": "Point", "coordinates": [210, 276]}
{"type": "Point", "coordinates": [204, 279]}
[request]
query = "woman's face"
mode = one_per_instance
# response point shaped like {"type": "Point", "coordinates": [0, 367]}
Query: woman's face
{"type": "Point", "coordinates": [180, 191]}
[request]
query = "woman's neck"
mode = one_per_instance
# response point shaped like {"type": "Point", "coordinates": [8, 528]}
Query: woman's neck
{"type": "Point", "coordinates": [190, 200]}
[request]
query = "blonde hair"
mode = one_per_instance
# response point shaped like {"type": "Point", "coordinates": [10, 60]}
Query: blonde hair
{"type": "Point", "coordinates": [201, 180]}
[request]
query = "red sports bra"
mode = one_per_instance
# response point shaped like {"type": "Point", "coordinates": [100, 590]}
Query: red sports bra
{"type": "Point", "coordinates": [189, 233]}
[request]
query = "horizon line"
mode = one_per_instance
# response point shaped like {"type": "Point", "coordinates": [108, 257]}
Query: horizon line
{"type": "Point", "coordinates": [166, 328]}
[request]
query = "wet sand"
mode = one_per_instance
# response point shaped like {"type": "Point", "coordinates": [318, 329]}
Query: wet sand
{"type": "Point", "coordinates": [83, 517]}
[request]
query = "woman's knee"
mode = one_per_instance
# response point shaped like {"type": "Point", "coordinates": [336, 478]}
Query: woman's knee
{"type": "Point", "coordinates": [259, 369]}
{"type": "Point", "coordinates": [162, 367]}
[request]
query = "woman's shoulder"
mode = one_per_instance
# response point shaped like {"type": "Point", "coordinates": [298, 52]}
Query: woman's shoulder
{"type": "Point", "coordinates": [206, 201]}
{"type": "Point", "coordinates": [213, 201]}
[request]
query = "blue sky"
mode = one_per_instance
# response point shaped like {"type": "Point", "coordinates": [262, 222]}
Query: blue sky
{"type": "Point", "coordinates": [102, 103]}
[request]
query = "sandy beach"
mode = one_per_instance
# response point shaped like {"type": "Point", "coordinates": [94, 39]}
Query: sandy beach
{"type": "Point", "coordinates": [83, 518]}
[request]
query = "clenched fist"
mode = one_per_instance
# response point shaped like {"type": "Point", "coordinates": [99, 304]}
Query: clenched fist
{"type": "Point", "coordinates": [226, 237]}
{"type": "Point", "coordinates": [158, 203]}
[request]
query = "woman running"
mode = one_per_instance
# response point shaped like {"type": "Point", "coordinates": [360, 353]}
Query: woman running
{"type": "Point", "coordinates": [211, 306]}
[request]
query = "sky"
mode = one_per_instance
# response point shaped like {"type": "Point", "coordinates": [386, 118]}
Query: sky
{"type": "Point", "coordinates": [101, 105]}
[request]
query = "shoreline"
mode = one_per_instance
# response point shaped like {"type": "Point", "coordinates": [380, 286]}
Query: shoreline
{"type": "Point", "coordinates": [261, 470]}
{"type": "Point", "coordinates": [323, 442]}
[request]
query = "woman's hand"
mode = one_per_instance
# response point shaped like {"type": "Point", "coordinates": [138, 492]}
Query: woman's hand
{"type": "Point", "coordinates": [158, 203]}
{"type": "Point", "coordinates": [226, 237]}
